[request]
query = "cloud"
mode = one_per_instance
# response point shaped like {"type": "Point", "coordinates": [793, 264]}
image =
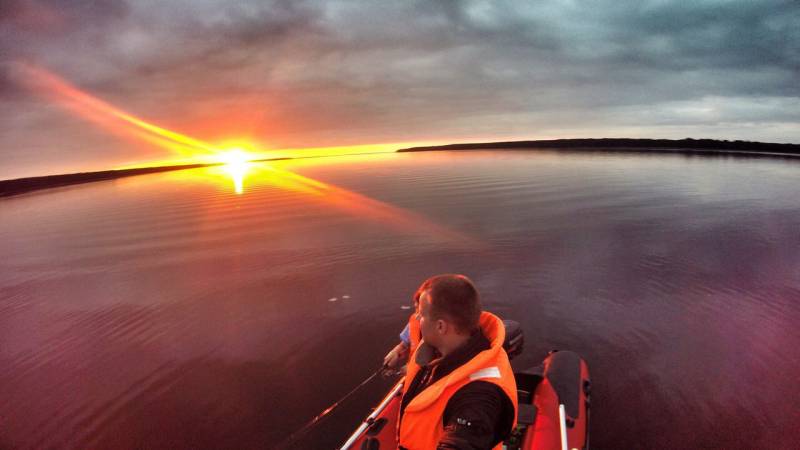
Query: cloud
{"type": "Point", "coordinates": [294, 73]}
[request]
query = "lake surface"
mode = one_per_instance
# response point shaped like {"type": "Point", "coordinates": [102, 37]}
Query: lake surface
{"type": "Point", "coordinates": [171, 311]}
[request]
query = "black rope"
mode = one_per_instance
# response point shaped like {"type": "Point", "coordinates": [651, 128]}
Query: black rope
{"type": "Point", "coordinates": [308, 426]}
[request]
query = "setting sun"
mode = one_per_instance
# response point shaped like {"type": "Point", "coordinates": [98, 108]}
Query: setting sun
{"type": "Point", "coordinates": [236, 162]}
{"type": "Point", "coordinates": [235, 157]}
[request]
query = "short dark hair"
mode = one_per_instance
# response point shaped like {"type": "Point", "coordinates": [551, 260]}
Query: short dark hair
{"type": "Point", "coordinates": [455, 298]}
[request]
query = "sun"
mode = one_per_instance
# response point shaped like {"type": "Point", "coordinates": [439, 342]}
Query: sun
{"type": "Point", "coordinates": [236, 162]}
{"type": "Point", "coordinates": [234, 157]}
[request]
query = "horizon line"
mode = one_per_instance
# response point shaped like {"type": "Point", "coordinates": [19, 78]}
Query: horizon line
{"type": "Point", "coordinates": [15, 186]}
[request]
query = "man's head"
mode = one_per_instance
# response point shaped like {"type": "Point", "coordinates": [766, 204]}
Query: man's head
{"type": "Point", "coordinates": [449, 310]}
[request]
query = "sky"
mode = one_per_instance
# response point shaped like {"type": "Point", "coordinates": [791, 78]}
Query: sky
{"type": "Point", "coordinates": [304, 74]}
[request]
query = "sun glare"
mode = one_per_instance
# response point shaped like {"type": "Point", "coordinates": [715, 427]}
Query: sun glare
{"type": "Point", "coordinates": [234, 157]}
{"type": "Point", "coordinates": [236, 162]}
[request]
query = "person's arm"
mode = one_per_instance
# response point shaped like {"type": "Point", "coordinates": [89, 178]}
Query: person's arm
{"type": "Point", "coordinates": [405, 335]}
{"type": "Point", "coordinates": [396, 356]}
{"type": "Point", "coordinates": [399, 353]}
{"type": "Point", "coordinates": [477, 417]}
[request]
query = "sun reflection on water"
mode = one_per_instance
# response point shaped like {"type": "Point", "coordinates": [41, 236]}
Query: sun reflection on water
{"type": "Point", "coordinates": [236, 164]}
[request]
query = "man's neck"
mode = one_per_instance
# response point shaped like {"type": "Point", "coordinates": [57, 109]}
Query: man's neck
{"type": "Point", "coordinates": [453, 344]}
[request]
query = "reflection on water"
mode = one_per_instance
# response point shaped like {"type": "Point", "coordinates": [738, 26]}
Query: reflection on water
{"type": "Point", "coordinates": [187, 310]}
{"type": "Point", "coordinates": [280, 175]}
{"type": "Point", "coordinates": [237, 172]}
{"type": "Point", "coordinates": [237, 165]}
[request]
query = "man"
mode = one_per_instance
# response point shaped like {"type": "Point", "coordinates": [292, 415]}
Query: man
{"type": "Point", "coordinates": [459, 391]}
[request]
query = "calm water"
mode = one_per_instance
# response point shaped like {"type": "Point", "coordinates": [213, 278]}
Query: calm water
{"type": "Point", "coordinates": [170, 311]}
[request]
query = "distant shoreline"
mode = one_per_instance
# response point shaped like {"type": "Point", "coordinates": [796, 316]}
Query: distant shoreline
{"type": "Point", "coordinates": [700, 147]}
{"type": "Point", "coordinates": [29, 184]}
{"type": "Point", "coordinates": [691, 146]}
{"type": "Point", "coordinates": [23, 185]}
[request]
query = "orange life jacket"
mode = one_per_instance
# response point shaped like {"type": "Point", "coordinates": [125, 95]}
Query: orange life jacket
{"type": "Point", "coordinates": [421, 424]}
{"type": "Point", "coordinates": [414, 334]}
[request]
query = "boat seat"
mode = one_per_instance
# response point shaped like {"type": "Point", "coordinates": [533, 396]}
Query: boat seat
{"type": "Point", "coordinates": [524, 396]}
{"type": "Point", "coordinates": [526, 414]}
{"type": "Point", "coordinates": [527, 381]}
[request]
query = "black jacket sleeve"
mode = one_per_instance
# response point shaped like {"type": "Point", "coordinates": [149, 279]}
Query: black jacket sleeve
{"type": "Point", "coordinates": [477, 417]}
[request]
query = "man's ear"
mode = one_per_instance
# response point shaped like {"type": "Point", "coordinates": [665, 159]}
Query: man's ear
{"type": "Point", "coordinates": [441, 326]}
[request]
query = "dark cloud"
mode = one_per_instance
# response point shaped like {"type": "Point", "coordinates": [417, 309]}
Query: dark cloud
{"type": "Point", "coordinates": [60, 15]}
{"type": "Point", "coordinates": [726, 35]}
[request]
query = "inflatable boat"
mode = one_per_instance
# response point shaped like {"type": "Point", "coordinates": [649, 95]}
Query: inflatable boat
{"type": "Point", "coordinates": [553, 406]}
